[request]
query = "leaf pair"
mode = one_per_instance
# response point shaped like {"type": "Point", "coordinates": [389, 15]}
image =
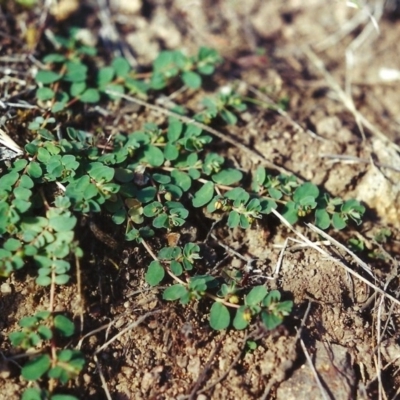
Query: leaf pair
{"type": "Point", "coordinates": [257, 302]}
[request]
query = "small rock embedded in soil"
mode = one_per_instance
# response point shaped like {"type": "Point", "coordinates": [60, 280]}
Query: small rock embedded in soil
{"type": "Point", "coordinates": [332, 363]}
{"type": "Point", "coordinates": [126, 7]}
{"type": "Point", "coordinates": [194, 366]}
{"type": "Point", "coordinates": [379, 188]}
{"type": "Point", "coordinates": [6, 288]}
{"type": "Point", "coordinates": [5, 371]}
{"type": "Point", "coordinates": [391, 351]}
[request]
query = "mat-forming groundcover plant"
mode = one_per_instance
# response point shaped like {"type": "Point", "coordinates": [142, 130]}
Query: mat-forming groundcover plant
{"type": "Point", "coordinates": [149, 181]}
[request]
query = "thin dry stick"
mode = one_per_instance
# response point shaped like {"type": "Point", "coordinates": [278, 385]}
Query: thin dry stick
{"type": "Point", "coordinates": [386, 367]}
{"type": "Point", "coordinates": [8, 79]}
{"type": "Point", "coordinates": [326, 254]}
{"type": "Point", "coordinates": [353, 160]}
{"type": "Point", "coordinates": [345, 29]}
{"type": "Point", "coordinates": [314, 372]}
{"type": "Point", "coordinates": [228, 249]}
{"type": "Point", "coordinates": [360, 40]}
{"type": "Point", "coordinates": [6, 104]}
{"type": "Point", "coordinates": [267, 389]}
{"type": "Point", "coordinates": [348, 102]}
{"type": "Point", "coordinates": [300, 244]}
{"type": "Point", "coordinates": [105, 326]}
{"type": "Point", "coordinates": [80, 297]}
{"type": "Point", "coordinates": [253, 154]}
{"type": "Point", "coordinates": [388, 319]}
{"type": "Point", "coordinates": [360, 262]}
{"type": "Point", "coordinates": [379, 334]}
{"type": "Point", "coordinates": [206, 368]}
{"type": "Point", "coordinates": [396, 394]}
{"type": "Point", "coordinates": [131, 326]}
{"type": "Point", "coordinates": [303, 321]}
{"type": "Point", "coordinates": [350, 271]}
{"type": "Point", "coordinates": [99, 329]}
{"type": "Point", "coordinates": [6, 141]}
{"type": "Point", "coordinates": [284, 246]}
{"type": "Point", "coordinates": [378, 363]}
{"type": "Point", "coordinates": [390, 277]}
{"type": "Point", "coordinates": [103, 380]}
{"type": "Point", "coordinates": [280, 258]}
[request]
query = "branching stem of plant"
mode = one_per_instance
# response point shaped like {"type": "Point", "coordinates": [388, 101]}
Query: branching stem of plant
{"type": "Point", "coordinates": [225, 187]}
{"type": "Point", "coordinates": [206, 128]}
{"type": "Point", "coordinates": [173, 276]}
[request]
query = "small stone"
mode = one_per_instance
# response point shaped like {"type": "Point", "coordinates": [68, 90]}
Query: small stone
{"type": "Point", "coordinates": [87, 37]}
{"type": "Point", "coordinates": [182, 361]}
{"type": "Point", "coordinates": [334, 368]}
{"type": "Point", "coordinates": [194, 366]}
{"type": "Point", "coordinates": [127, 371]}
{"type": "Point", "coordinates": [87, 378]}
{"type": "Point", "coordinates": [63, 9]}
{"type": "Point", "coordinates": [6, 288]}
{"type": "Point", "coordinates": [4, 370]}
{"type": "Point", "coordinates": [391, 351]}
{"type": "Point", "coordinates": [127, 7]}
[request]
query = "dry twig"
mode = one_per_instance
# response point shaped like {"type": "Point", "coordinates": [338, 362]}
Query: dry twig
{"type": "Point", "coordinates": [329, 256]}
{"type": "Point", "coordinates": [346, 100]}
{"type": "Point", "coordinates": [206, 368]}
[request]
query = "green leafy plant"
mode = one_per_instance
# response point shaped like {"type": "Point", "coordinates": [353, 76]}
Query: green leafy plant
{"type": "Point", "coordinates": [66, 79]}
{"type": "Point", "coordinates": [251, 345]}
{"type": "Point", "coordinates": [356, 244]}
{"type": "Point", "coordinates": [375, 249]}
{"type": "Point", "coordinates": [151, 180]}
{"type": "Point", "coordinates": [301, 200]}
{"type": "Point", "coordinates": [383, 235]}
{"type": "Point", "coordinates": [59, 365]}
{"type": "Point", "coordinates": [225, 105]}
{"type": "Point", "coordinates": [170, 65]}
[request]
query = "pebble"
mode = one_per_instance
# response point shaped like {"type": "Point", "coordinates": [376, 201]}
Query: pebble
{"type": "Point", "coordinates": [194, 366]}
{"type": "Point", "coordinates": [87, 378]}
{"type": "Point", "coordinates": [5, 288]}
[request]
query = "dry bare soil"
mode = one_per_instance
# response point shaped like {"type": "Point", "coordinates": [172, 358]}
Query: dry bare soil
{"type": "Point", "coordinates": [340, 131]}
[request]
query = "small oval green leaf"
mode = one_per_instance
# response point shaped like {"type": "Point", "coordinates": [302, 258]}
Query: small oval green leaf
{"type": "Point", "coordinates": [47, 77]}
{"type": "Point", "coordinates": [227, 177]}
{"type": "Point", "coordinates": [90, 96]}
{"type": "Point", "coordinates": [155, 273]}
{"type": "Point", "coordinates": [240, 321]}
{"type": "Point", "coordinates": [64, 325]}
{"type": "Point", "coordinates": [203, 195]}
{"type": "Point", "coordinates": [191, 79]}
{"type": "Point", "coordinates": [256, 295]}
{"type": "Point", "coordinates": [34, 369]}
{"type": "Point", "coordinates": [322, 219]}
{"type": "Point", "coordinates": [219, 316]}
{"type": "Point", "coordinates": [174, 292]}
